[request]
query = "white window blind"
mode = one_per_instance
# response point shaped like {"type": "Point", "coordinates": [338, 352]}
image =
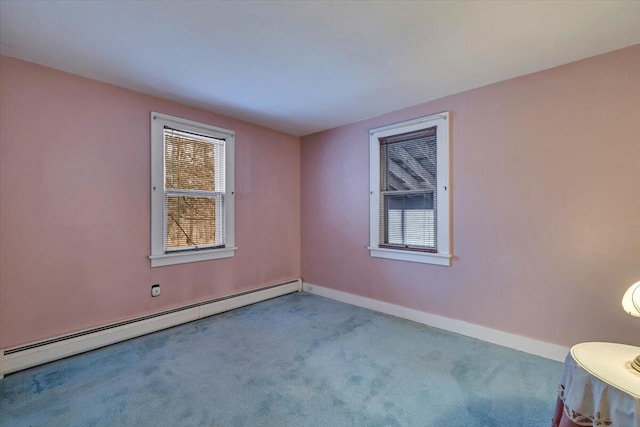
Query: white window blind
{"type": "Point", "coordinates": [408, 179]}
{"type": "Point", "coordinates": [194, 191]}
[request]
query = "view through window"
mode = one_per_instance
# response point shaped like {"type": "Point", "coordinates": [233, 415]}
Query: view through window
{"type": "Point", "coordinates": [408, 175]}
{"type": "Point", "coordinates": [194, 190]}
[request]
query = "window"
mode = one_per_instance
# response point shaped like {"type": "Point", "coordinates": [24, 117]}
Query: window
{"type": "Point", "coordinates": [409, 190]}
{"type": "Point", "coordinates": [192, 197]}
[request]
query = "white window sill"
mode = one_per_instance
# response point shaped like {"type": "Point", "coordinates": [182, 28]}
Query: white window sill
{"type": "Point", "coordinates": [411, 256]}
{"type": "Point", "coordinates": [192, 256]}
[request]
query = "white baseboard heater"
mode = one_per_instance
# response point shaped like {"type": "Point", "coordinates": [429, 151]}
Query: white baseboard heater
{"type": "Point", "coordinates": [36, 353]}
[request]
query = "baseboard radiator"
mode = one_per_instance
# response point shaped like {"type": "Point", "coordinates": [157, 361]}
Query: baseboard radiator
{"type": "Point", "coordinates": [36, 353]}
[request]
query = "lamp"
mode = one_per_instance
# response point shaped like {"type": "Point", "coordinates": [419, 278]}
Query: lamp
{"type": "Point", "coordinates": [631, 304]}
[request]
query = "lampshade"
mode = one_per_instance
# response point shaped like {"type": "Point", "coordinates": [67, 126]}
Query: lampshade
{"type": "Point", "coordinates": [631, 300]}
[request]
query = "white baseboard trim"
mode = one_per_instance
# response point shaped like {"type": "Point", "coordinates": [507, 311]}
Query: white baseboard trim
{"type": "Point", "coordinates": [14, 359]}
{"type": "Point", "coordinates": [494, 336]}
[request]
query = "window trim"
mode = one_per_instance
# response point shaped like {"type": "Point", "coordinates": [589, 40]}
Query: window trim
{"type": "Point", "coordinates": [443, 254]}
{"type": "Point", "coordinates": [158, 256]}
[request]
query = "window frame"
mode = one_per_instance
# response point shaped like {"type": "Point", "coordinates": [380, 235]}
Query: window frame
{"type": "Point", "coordinates": [158, 255]}
{"type": "Point", "coordinates": [442, 256]}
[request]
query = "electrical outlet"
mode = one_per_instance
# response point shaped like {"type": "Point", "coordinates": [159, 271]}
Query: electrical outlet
{"type": "Point", "coordinates": [155, 290]}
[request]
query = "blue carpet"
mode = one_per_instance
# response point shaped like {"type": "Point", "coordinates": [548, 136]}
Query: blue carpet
{"type": "Point", "coordinates": [298, 360]}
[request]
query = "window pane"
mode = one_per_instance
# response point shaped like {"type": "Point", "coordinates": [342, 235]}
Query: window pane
{"type": "Point", "coordinates": [194, 221]}
{"type": "Point", "coordinates": [193, 162]}
{"type": "Point", "coordinates": [409, 220]}
{"type": "Point", "coordinates": [408, 161]}
{"type": "Point", "coordinates": [408, 172]}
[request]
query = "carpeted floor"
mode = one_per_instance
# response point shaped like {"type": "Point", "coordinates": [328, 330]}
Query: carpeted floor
{"type": "Point", "coordinates": [298, 360]}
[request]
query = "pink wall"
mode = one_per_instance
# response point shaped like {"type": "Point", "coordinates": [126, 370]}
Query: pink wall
{"type": "Point", "coordinates": [546, 206]}
{"type": "Point", "coordinates": [74, 206]}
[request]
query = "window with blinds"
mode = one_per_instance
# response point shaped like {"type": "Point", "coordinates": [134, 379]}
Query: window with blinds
{"type": "Point", "coordinates": [194, 191]}
{"type": "Point", "coordinates": [408, 179]}
{"type": "Point", "coordinates": [409, 190]}
{"type": "Point", "coordinates": [192, 196]}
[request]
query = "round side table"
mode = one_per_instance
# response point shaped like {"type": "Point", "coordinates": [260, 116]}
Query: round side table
{"type": "Point", "coordinates": [599, 387]}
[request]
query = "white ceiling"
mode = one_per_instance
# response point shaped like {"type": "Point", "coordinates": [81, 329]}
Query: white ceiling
{"type": "Point", "coordinates": [301, 67]}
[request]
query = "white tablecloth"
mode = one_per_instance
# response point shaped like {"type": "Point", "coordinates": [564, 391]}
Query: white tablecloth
{"type": "Point", "coordinates": [589, 401]}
